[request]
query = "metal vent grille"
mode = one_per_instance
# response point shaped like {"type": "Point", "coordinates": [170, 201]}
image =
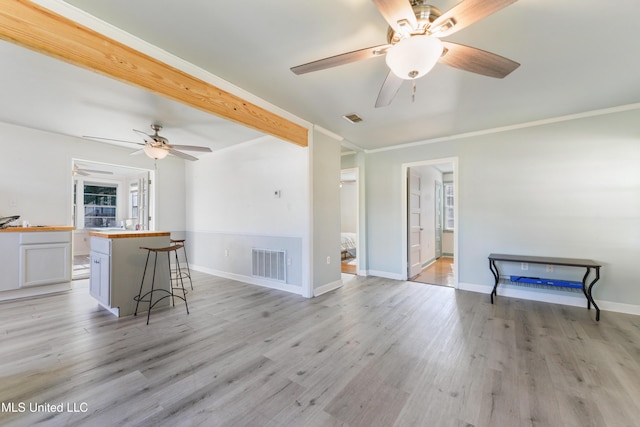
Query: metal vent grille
{"type": "Point", "coordinates": [353, 118]}
{"type": "Point", "coordinates": [269, 264]}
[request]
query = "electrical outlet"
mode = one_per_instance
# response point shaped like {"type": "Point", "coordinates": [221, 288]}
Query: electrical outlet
{"type": "Point", "coordinates": [226, 252]}
{"type": "Point", "coordinates": [288, 261]}
{"type": "Point", "coordinates": [524, 266]}
{"type": "Point", "coordinates": [328, 260]}
{"type": "Point", "coordinates": [549, 268]}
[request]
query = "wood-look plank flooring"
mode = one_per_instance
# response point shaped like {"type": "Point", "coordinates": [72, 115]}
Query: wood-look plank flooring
{"type": "Point", "coordinates": [376, 352]}
{"type": "Point", "coordinates": [349, 266]}
{"type": "Point", "coordinates": [439, 272]}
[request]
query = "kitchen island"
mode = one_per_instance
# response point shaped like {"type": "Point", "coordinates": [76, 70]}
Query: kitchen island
{"type": "Point", "coordinates": [35, 260]}
{"type": "Point", "coordinates": [117, 264]}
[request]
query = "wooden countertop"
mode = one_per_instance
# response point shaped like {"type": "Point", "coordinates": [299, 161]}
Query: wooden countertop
{"type": "Point", "coordinates": [40, 228]}
{"type": "Point", "coordinates": [127, 234]}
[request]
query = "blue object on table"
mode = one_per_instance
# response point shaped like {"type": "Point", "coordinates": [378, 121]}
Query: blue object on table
{"type": "Point", "coordinates": [548, 282]}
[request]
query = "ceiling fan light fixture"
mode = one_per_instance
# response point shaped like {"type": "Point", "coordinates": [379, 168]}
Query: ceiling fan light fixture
{"type": "Point", "coordinates": [413, 57]}
{"type": "Point", "coordinates": [155, 153]}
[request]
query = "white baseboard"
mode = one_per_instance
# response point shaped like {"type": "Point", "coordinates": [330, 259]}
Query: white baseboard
{"type": "Point", "coordinates": [250, 280]}
{"type": "Point", "coordinates": [385, 274]}
{"type": "Point", "coordinates": [576, 300]}
{"type": "Point", "coordinates": [327, 288]}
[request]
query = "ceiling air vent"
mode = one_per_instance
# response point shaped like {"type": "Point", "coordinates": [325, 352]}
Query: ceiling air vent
{"type": "Point", "coordinates": [352, 118]}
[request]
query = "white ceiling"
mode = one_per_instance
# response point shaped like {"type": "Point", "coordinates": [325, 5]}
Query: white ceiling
{"type": "Point", "coordinates": [575, 55]}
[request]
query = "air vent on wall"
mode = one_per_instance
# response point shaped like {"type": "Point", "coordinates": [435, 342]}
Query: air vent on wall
{"type": "Point", "coordinates": [352, 118]}
{"type": "Point", "coordinates": [269, 264]}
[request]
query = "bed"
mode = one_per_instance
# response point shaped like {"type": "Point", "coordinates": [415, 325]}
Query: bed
{"type": "Point", "coordinates": [348, 245]}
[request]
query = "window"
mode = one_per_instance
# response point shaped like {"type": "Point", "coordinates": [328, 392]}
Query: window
{"type": "Point", "coordinates": [99, 205]}
{"type": "Point", "coordinates": [133, 201]}
{"type": "Point", "coordinates": [448, 206]}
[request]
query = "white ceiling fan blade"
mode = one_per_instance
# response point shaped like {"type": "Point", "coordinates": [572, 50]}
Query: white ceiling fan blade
{"type": "Point", "coordinates": [389, 90]}
{"type": "Point", "coordinates": [476, 60]}
{"type": "Point", "coordinates": [110, 139]}
{"type": "Point", "coordinates": [147, 138]}
{"type": "Point", "coordinates": [399, 14]}
{"type": "Point", "coordinates": [343, 58]}
{"type": "Point", "coordinates": [464, 14]}
{"type": "Point", "coordinates": [192, 148]}
{"type": "Point", "coordinates": [182, 155]}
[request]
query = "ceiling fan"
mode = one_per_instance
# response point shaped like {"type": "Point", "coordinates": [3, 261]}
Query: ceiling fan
{"type": "Point", "coordinates": [413, 43]}
{"type": "Point", "coordinates": [158, 147]}
{"type": "Point", "coordinates": [77, 170]}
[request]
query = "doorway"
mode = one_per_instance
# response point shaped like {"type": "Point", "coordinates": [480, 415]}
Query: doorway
{"type": "Point", "coordinates": [349, 221]}
{"type": "Point", "coordinates": [430, 238]}
{"type": "Point", "coordinates": [106, 197]}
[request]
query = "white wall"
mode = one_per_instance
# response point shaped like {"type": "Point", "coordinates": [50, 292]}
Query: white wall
{"type": "Point", "coordinates": [567, 189]}
{"type": "Point", "coordinates": [36, 180]}
{"type": "Point", "coordinates": [326, 212]}
{"type": "Point", "coordinates": [232, 208]}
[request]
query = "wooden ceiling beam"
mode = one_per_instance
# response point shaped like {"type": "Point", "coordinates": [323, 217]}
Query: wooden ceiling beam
{"type": "Point", "coordinates": [34, 27]}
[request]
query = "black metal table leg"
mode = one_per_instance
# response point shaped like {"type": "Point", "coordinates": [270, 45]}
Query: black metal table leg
{"type": "Point", "coordinates": [496, 276]}
{"type": "Point", "coordinates": [591, 296]}
{"type": "Point", "coordinates": [584, 288]}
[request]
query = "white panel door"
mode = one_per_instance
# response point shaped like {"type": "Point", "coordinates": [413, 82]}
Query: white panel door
{"type": "Point", "coordinates": [438, 215]}
{"type": "Point", "coordinates": [414, 197]}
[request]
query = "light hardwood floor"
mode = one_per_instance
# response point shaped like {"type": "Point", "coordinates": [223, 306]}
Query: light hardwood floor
{"type": "Point", "coordinates": [438, 273]}
{"type": "Point", "coordinates": [375, 353]}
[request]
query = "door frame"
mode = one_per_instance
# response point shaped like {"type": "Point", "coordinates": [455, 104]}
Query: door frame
{"type": "Point", "coordinates": [405, 206]}
{"type": "Point", "coordinates": [359, 234]}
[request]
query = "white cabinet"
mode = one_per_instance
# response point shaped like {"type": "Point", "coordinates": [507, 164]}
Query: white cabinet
{"type": "Point", "coordinates": [34, 261]}
{"type": "Point", "coordinates": [45, 258]}
{"type": "Point", "coordinates": [100, 277]}
{"type": "Point", "coordinates": [100, 270]}
{"type": "Point", "coordinates": [9, 261]}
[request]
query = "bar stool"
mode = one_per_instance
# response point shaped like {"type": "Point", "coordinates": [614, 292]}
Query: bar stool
{"type": "Point", "coordinates": [173, 281]}
{"type": "Point", "coordinates": [184, 273]}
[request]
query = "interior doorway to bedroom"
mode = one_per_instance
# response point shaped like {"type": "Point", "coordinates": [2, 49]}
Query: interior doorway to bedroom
{"type": "Point", "coordinates": [349, 221]}
{"type": "Point", "coordinates": [430, 224]}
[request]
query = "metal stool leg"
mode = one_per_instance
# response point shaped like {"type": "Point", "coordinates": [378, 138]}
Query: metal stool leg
{"type": "Point", "coordinates": [184, 291]}
{"type": "Point", "coordinates": [153, 282]}
{"type": "Point", "coordinates": [168, 292]}
{"type": "Point", "coordinates": [139, 296]}
{"type": "Point", "coordinates": [186, 261]}
{"type": "Point", "coordinates": [183, 273]}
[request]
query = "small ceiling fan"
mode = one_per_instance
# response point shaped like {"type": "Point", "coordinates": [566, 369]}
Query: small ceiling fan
{"type": "Point", "coordinates": [77, 170]}
{"type": "Point", "coordinates": [413, 43]}
{"type": "Point", "coordinates": [158, 147]}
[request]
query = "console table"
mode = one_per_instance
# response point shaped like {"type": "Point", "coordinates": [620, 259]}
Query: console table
{"type": "Point", "coordinates": [567, 262]}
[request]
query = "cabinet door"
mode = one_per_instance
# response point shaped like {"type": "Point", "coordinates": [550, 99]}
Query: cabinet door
{"type": "Point", "coordinates": [45, 264]}
{"type": "Point", "coordinates": [100, 277]}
